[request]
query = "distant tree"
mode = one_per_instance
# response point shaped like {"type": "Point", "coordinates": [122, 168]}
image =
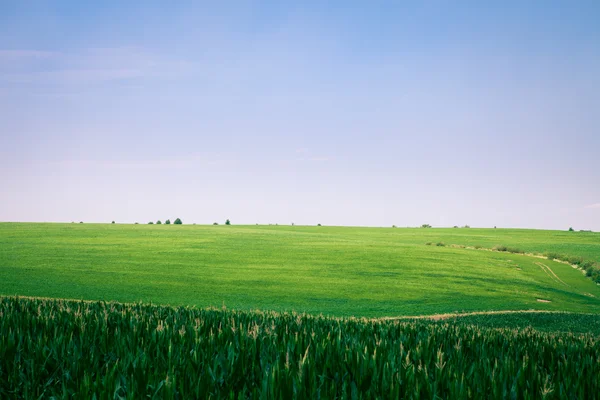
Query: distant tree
{"type": "Point", "coordinates": [292, 224]}
{"type": "Point", "coordinates": [215, 223]}
{"type": "Point", "coordinates": [494, 226]}
{"type": "Point", "coordinates": [81, 222]}
{"type": "Point", "coordinates": [113, 222]}
{"type": "Point", "coordinates": [455, 226]}
{"type": "Point", "coordinates": [393, 226]}
{"type": "Point", "coordinates": [158, 222]}
{"type": "Point", "coordinates": [177, 222]}
{"type": "Point", "coordinates": [571, 229]}
{"type": "Point", "coordinates": [318, 224]}
{"type": "Point", "coordinates": [466, 226]}
{"type": "Point", "coordinates": [425, 226]}
{"type": "Point", "coordinates": [136, 223]}
{"type": "Point", "coordinates": [150, 223]}
{"type": "Point", "coordinates": [227, 222]}
{"type": "Point", "coordinates": [168, 222]}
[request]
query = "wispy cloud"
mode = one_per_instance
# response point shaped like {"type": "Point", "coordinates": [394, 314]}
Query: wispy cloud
{"type": "Point", "coordinates": [184, 162]}
{"type": "Point", "coordinates": [593, 206]}
{"type": "Point", "coordinates": [89, 65]}
{"type": "Point", "coordinates": [19, 55]}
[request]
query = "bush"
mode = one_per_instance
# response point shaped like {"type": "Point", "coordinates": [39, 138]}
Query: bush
{"type": "Point", "coordinates": [215, 223]}
{"type": "Point", "coordinates": [553, 256]}
{"type": "Point", "coordinates": [574, 260]}
{"type": "Point", "coordinates": [428, 244]}
{"type": "Point", "coordinates": [177, 222]}
{"type": "Point", "coordinates": [168, 222]}
{"type": "Point", "coordinates": [571, 229]}
{"type": "Point", "coordinates": [158, 222]}
{"type": "Point", "coordinates": [500, 248]}
{"type": "Point", "coordinates": [466, 226]}
{"type": "Point", "coordinates": [318, 224]}
{"type": "Point", "coordinates": [455, 226]}
{"type": "Point", "coordinates": [425, 226]}
{"type": "Point", "coordinates": [393, 226]}
{"type": "Point", "coordinates": [81, 222]}
{"type": "Point", "coordinates": [228, 222]}
{"type": "Point", "coordinates": [514, 250]}
{"type": "Point", "coordinates": [150, 223]}
{"type": "Point", "coordinates": [477, 246]}
{"type": "Point", "coordinates": [440, 244]}
{"type": "Point", "coordinates": [113, 222]}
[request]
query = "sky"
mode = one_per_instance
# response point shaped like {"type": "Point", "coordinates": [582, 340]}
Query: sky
{"type": "Point", "coordinates": [361, 113]}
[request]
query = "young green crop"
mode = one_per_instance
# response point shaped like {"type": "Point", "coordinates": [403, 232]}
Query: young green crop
{"type": "Point", "coordinates": [339, 271]}
{"type": "Point", "coordinates": [71, 349]}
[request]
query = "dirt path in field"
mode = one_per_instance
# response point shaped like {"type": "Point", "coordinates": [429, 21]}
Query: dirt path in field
{"type": "Point", "coordinates": [437, 317]}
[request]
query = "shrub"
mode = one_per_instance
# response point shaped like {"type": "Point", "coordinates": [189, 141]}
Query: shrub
{"type": "Point", "coordinates": [425, 226]}
{"type": "Point", "coordinates": [440, 244]}
{"type": "Point", "coordinates": [228, 222]}
{"type": "Point", "coordinates": [113, 222]}
{"type": "Point", "coordinates": [318, 224]}
{"type": "Point", "coordinates": [81, 222]}
{"type": "Point", "coordinates": [466, 226]}
{"type": "Point", "coordinates": [393, 226]}
{"type": "Point", "coordinates": [215, 223]}
{"type": "Point", "coordinates": [158, 222]}
{"type": "Point", "coordinates": [150, 223]}
{"type": "Point", "coordinates": [514, 250]}
{"type": "Point", "coordinates": [574, 260]}
{"type": "Point", "coordinates": [428, 244]}
{"type": "Point", "coordinates": [571, 229]}
{"type": "Point", "coordinates": [477, 246]}
{"type": "Point", "coordinates": [500, 248]}
{"type": "Point", "coordinates": [455, 226]}
{"type": "Point", "coordinates": [587, 264]}
{"type": "Point", "coordinates": [177, 222]}
{"type": "Point", "coordinates": [168, 222]}
{"type": "Point", "coordinates": [553, 256]}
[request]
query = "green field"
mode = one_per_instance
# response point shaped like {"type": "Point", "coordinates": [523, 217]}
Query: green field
{"type": "Point", "coordinates": [85, 350]}
{"type": "Point", "coordinates": [339, 271]}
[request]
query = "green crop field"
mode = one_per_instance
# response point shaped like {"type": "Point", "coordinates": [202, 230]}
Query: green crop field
{"type": "Point", "coordinates": [338, 271]}
{"type": "Point", "coordinates": [444, 297]}
{"type": "Point", "coordinates": [65, 349]}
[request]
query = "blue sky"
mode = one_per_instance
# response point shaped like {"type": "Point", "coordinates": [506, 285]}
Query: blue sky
{"type": "Point", "coordinates": [345, 113]}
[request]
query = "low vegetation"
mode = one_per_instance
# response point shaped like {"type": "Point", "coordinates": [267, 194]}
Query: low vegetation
{"type": "Point", "coordinates": [64, 349]}
{"type": "Point", "coordinates": [336, 271]}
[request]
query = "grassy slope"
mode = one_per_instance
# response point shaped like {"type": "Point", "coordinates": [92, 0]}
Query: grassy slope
{"type": "Point", "coordinates": [329, 270]}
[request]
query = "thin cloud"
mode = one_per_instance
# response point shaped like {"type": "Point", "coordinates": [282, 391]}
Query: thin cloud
{"type": "Point", "coordinates": [91, 65]}
{"type": "Point", "coordinates": [17, 55]}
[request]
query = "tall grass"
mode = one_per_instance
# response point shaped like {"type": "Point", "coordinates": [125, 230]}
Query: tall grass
{"type": "Point", "coordinates": [108, 350]}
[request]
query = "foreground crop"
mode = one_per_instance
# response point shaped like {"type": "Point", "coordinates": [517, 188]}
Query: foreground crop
{"type": "Point", "coordinates": [76, 349]}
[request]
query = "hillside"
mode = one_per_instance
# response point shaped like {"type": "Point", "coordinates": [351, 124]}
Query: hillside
{"type": "Point", "coordinates": [338, 271]}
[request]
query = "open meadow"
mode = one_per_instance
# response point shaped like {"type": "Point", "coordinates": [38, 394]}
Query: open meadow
{"type": "Point", "coordinates": [337, 271]}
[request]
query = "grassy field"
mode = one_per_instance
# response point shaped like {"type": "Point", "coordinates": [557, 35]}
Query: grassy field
{"type": "Point", "coordinates": [338, 271]}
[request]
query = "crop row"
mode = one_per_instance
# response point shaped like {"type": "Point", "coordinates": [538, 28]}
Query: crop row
{"type": "Point", "coordinates": [71, 349]}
